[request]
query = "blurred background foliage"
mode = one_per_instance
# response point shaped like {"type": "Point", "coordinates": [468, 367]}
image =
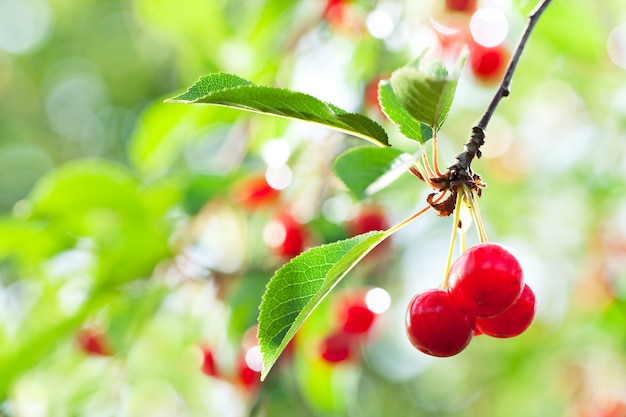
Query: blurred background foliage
{"type": "Point", "coordinates": [134, 250]}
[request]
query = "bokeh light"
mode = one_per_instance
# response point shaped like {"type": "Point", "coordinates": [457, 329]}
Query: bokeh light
{"type": "Point", "coordinates": [489, 26]}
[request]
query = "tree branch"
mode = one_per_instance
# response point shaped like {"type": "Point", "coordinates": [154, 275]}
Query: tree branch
{"type": "Point", "coordinates": [461, 172]}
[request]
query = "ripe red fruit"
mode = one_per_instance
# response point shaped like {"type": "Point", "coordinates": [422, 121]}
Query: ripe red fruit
{"type": "Point", "coordinates": [254, 192]}
{"type": "Point", "coordinates": [461, 5]}
{"type": "Point", "coordinates": [208, 362]}
{"type": "Point", "coordinates": [488, 63]}
{"type": "Point", "coordinates": [514, 320]}
{"type": "Point", "coordinates": [93, 342]}
{"type": "Point", "coordinates": [436, 326]}
{"type": "Point", "coordinates": [369, 219]}
{"type": "Point", "coordinates": [285, 236]}
{"type": "Point", "coordinates": [370, 96]}
{"type": "Point", "coordinates": [335, 12]}
{"type": "Point", "coordinates": [248, 376]}
{"type": "Point", "coordinates": [355, 317]}
{"type": "Point", "coordinates": [485, 280]}
{"type": "Point", "coordinates": [337, 347]}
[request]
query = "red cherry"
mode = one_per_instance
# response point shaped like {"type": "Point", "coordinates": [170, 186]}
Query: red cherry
{"type": "Point", "coordinates": [285, 236]}
{"type": "Point", "coordinates": [249, 368]}
{"type": "Point", "coordinates": [355, 316]}
{"type": "Point", "coordinates": [337, 347]}
{"type": "Point", "coordinates": [254, 192]}
{"type": "Point", "coordinates": [485, 280]}
{"type": "Point", "coordinates": [208, 362]}
{"type": "Point", "coordinates": [335, 11]}
{"type": "Point", "coordinates": [93, 342]}
{"type": "Point", "coordinates": [370, 96]}
{"type": "Point", "coordinates": [488, 63]}
{"type": "Point", "coordinates": [436, 326]}
{"type": "Point", "coordinates": [514, 320]}
{"type": "Point", "coordinates": [371, 218]}
{"type": "Point", "coordinates": [461, 5]}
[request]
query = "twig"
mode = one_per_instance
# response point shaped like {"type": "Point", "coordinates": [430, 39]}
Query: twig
{"type": "Point", "coordinates": [460, 172]}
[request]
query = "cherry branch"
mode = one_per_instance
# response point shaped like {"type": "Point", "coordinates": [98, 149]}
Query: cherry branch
{"type": "Point", "coordinates": [460, 172]}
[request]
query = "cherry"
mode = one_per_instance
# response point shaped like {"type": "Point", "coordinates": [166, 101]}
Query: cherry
{"type": "Point", "coordinates": [370, 96]}
{"type": "Point", "coordinates": [368, 220]}
{"type": "Point", "coordinates": [488, 63]}
{"type": "Point", "coordinates": [335, 12]}
{"type": "Point", "coordinates": [248, 376]}
{"type": "Point", "coordinates": [93, 342]}
{"type": "Point", "coordinates": [371, 218]}
{"type": "Point", "coordinates": [355, 316]}
{"type": "Point", "coordinates": [208, 362]}
{"type": "Point", "coordinates": [485, 280]}
{"type": "Point", "coordinates": [514, 320]}
{"type": "Point", "coordinates": [285, 236]}
{"type": "Point", "coordinates": [336, 347]}
{"type": "Point", "coordinates": [461, 5]}
{"type": "Point", "coordinates": [254, 192]}
{"type": "Point", "coordinates": [436, 326]}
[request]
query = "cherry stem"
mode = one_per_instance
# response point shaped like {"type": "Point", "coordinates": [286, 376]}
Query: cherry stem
{"type": "Point", "coordinates": [455, 228]}
{"type": "Point", "coordinates": [426, 163]}
{"type": "Point", "coordinates": [406, 221]}
{"type": "Point", "coordinates": [463, 239]}
{"type": "Point", "coordinates": [473, 204]}
{"type": "Point", "coordinates": [435, 154]}
{"type": "Point", "coordinates": [477, 139]}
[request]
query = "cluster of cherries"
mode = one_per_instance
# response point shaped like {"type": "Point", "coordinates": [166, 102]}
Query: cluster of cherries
{"type": "Point", "coordinates": [485, 294]}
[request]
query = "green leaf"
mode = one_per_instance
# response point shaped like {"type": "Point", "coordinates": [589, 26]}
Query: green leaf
{"type": "Point", "coordinates": [229, 90]}
{"type": "Point", "coordinates": [393, 109]}
{"type": "Point", "coordinates": [361, 167]}
{"type": "Point", "coordinates": [299, 286]}
{"type": "Point", "coordinates": [425, 94]}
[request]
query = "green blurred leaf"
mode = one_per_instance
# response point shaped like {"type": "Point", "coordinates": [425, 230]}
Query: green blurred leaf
{"type": "Point", "coordinates": [104, 202]}
{"type": "Point", "coordinates": [360, 167]}
{"type": "Point", "coordinates": [30, 241]}
{"type": "Point", "coordinates": [299, 286]}
{"type": "Point", "coordinates": [201, 188]}
{"type": "Point", "coordinates": [425, 94]}
{"type": "Point", "coordinates": [229, 90]}
{"type": "Point", "coordinates": [161, 134]}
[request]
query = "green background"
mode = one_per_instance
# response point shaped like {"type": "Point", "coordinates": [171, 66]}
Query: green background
{"type": "Point", "coordinates": [118, 210]}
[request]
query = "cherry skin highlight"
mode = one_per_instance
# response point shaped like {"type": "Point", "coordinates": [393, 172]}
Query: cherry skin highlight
{"type": "Point", "coordinates": [485, 280]}
{"type": "Point", "coordinates": [436, 326]}
{"type": "Point", "coordinates": [514, 321]}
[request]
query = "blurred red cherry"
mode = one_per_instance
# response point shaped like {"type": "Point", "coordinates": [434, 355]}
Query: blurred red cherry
{"type": "Point", "coordinates": [354, 316]}
{"type": "Point", "coordinates": [93, 342]}
{"type": "Point", "coordinates": [254, 192]}
{"type": "Point", "coordinates": [285, 236]}
{"type": "Point", "coordinates": [488, 64]}
{"type": "Point", "coordinates": [208, 362]}
{"type": "Point", "coordinates": [336, 347]}
{"type": "Point", "coordinates": [466, 6]}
